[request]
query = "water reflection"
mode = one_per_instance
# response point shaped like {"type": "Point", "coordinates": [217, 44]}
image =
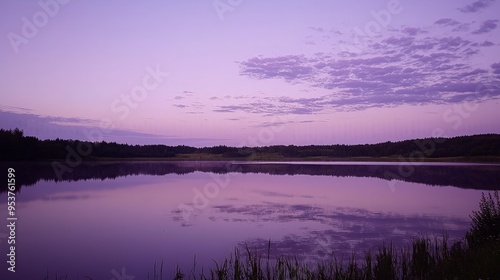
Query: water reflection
{"type": "Point", "coordinates": [350, 230]}
{"type": "Point", "coordinates": [100, 218]}
{"type": "Point", "coordinates": [473, 176]}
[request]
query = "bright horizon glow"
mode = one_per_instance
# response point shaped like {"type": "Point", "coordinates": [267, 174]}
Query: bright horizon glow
{"type": "Point", "coordinates": [269, 73]}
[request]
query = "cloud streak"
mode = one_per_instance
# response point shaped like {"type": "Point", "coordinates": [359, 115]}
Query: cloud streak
{"type": "Point", "coordinates": [486, 26]}
{"type": "Point", "coordinates": [476, 6]}
{"type": "Point", "coordinates": [408, 67]}
{"type": "Point", "coordinates": [45, 127]}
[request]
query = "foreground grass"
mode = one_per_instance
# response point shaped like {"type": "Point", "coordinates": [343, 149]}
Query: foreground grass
{"type": "Point", "coordinates": [424, 258]}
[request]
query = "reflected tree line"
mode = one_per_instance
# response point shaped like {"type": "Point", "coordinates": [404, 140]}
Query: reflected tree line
{"type": "Point", "coordinates": [486, 177]}
{"type": "Point", "coordinates": [16, 146]}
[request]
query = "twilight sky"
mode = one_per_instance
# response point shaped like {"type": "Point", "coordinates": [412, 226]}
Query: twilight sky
{"type": "Point", "coordinates": [240, 72]}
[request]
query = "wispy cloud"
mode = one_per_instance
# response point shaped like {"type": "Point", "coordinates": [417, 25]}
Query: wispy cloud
{"type": "Point", "coordinates": [476, 6]}
{"type": "Point", "coordinates": [23, 116]}
{"type": "Point", "coordinates": [270, 106]}
{"type": "Point", "coordinates": [288, 67]}
{"type": "Point", "coordinates": [447, 22]}
{"type": "Point", "coordinates": [318, 29]}
{"type": "Point", "coordinates": [483, 44]}
{"type": "Point", "coordinates": [50, 127]}
{"type": "Point", "coordinates": [180, 106]}
{"type": "Point", "coordinates": [486, 26]}
{"type": "Point", "coordinates": [281, 123]}
{"type": "Point", "coordinates": [496, 68]}
{"type": "Point", "coordinates": [409, 66]}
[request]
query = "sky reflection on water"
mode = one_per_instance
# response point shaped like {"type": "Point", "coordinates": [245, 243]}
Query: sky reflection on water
{"type": "Point", "coordinates": [90, 227]}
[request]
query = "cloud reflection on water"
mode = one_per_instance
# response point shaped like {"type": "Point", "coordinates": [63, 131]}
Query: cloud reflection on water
{"type": "Point", "coordinates": [344, 230]}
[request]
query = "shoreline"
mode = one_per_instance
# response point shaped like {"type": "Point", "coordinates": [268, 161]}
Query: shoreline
{"type": "Point", "coordinates": [266, 159]}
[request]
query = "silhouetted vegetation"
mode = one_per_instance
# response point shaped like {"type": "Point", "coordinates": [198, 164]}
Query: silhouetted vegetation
{"type": "Point", "coordinates": [16, 146]}
{"type": "Point", "coordinates": [485, 228]}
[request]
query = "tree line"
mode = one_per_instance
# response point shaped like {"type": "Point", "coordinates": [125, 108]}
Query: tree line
{"type": "Point", "coordinates": [14, 145]}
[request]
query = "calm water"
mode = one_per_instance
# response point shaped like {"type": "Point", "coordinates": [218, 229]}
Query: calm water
{"type": "Point", "coordinates": [103, 218]}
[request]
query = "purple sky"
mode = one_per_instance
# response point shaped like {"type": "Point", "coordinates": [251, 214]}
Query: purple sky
{"type": "Point", "coordinates": [250, 72]}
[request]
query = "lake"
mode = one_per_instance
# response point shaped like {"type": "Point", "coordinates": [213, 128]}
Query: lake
{"type": "Point", "coordinates": [113, 220]}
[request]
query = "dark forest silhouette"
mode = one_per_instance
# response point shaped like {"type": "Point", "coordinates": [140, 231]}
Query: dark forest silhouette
{"type": "Point", "coordinates": [15, 146]}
